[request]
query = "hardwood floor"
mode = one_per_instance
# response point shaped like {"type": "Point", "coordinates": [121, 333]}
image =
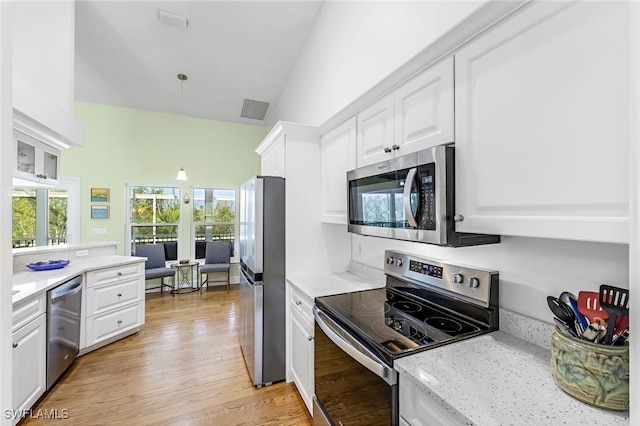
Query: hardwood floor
{"type": "Point", "coordinates": [184, 367]}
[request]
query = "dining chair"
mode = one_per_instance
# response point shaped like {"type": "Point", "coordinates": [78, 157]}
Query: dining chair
{"type": "Point", "coordinates": [217, 259]}
{"type": "Point", "coordinates": [155, 266]}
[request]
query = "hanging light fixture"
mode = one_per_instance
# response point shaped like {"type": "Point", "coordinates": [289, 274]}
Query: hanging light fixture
{"type": "Point", "coordinates": [182, 175]}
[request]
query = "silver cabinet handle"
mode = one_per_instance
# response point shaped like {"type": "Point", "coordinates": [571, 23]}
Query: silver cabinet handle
{"type": "Point", "coordinates": [406, 197]}
{"type": "Point", "coordinates": [298, 302]}
{"type": "Point", "coordinates": [119, 321]}
{"type": "Point", "coordinates": [387, 150]}
{"type": "Point", "coordinates": [119, 274]}
{"type": "Point", "coordinates": [15, 344]}
{"type": "Point", "coordinates": [309, 338]}
{"type": "Point", "coordinates": [395, 147]}
{"type": "Point", "coordinates": [119, 294]}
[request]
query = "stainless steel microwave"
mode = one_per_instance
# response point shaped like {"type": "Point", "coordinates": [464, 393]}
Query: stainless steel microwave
{"type": "Point", "coordinates": [409, 198]}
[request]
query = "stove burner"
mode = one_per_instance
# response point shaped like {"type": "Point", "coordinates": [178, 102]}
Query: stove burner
{"type": "Point", "coordinates": [446, 325]}
{"type": "Point", "coordinates": [407, 306]}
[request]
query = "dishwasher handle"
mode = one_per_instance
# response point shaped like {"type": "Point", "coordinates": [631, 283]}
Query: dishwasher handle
{"type": "Point", "coordinates": [68, 288]}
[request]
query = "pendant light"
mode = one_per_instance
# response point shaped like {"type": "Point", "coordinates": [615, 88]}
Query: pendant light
{"type": "Point", "coordinates": [182, 175]}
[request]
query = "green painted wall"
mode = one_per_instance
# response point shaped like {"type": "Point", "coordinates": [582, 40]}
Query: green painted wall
{"type": "Point", "coordinates": [123, 145]}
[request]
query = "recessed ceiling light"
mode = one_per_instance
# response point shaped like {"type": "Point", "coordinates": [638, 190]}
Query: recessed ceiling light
{"type": "Point", "coordinates": [173, 19]}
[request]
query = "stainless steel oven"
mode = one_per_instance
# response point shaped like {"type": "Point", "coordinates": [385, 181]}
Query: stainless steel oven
{"type": "Point", "coordinates": [426, 303]}
{"type": "Point", "coordinates": [410, 198]}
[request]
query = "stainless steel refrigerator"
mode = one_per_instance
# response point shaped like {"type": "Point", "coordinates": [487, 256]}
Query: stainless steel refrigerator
{"type": "Point", "coordinates": [262, 278]}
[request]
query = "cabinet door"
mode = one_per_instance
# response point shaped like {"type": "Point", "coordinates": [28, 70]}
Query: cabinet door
{"type": "Point", "coordinates": [273, 159]}
{"type": "Point", "coordinates": [29, 363]}
{"type": "Point", "coordinates": [375, 132]}
{"type": "Point", "coordinates": [302, 357]}
{"type": "Point", "coordinates": [419, 409]}
{"type": "Point", "coordinates": [337, 157]}
{"type": "Point", "coordinates": [423, 109]}
{"type": "Point", "coordinates": [542, 124]}
{"type": "Point", "coordinates": [36, 161]}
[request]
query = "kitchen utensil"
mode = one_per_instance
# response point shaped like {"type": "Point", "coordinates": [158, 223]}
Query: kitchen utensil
{"type": "Point", "coordinates": [564, 328]}
{"type": "Point", "coordinates": [571, 300]}
{"type": "Point", "coordinates": [615, 301]}
{"type": "Point", "coordinates": [562, 311]}
{"type": "Point", "coordinates": [596, 331]}
{"type": "Point", "coordinates": [589, 307]}
{"type": "Point", "coordinates": [620, 338]}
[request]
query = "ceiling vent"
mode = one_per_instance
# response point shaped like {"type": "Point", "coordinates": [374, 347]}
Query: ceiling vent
{"type": "Point", "coordinates": [256, 110]}
{"type": "Point", "coordinates": [173, 19]}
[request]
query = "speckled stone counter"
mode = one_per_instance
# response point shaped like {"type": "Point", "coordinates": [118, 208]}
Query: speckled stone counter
{"type": "Point", "coordinates": [499, 379]}
{"type": "Point", "coordinates": [32, 283]}
{"type": "Point", "coordinates": [327, 284]}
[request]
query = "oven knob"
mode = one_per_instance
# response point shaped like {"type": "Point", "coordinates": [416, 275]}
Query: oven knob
{"type": "Point", "coordinates": [390, 260]}
{"type": "Point", "coordinates": [399, 261]}
{"type": "Point", "coordinates": [474, 282]}
{"type": "Point", "coordinates": [457, 278]}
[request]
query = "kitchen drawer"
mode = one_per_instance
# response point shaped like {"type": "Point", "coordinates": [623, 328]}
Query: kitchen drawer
{"type": "Point", "coordinates": [114, 274]}
{"type": "Point", "coordinates": [102, 298]}
{"type": "Point", "coordinates": [301, 303]}
{"type": "Point", "coordinates": [104, 326]}
{"type": "Point", "coordinates": [27, 310]}
{"type": "Point", "coordinates": [419, 409]}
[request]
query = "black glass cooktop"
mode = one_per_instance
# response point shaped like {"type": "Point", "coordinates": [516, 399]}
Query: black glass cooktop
{"type": "Point", "coordinates": [393, 323]}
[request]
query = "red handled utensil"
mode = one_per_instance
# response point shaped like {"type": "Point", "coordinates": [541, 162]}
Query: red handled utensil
{"type": "Point", "coordinates": [589, 305]}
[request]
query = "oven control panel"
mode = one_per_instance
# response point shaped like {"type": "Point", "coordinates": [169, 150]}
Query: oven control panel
{"type": "Point", "coordinates": [425, 268]}
{"type": "Point", "coordinates": [473, 284]}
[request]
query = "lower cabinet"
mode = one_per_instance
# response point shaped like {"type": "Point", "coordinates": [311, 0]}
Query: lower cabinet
{"type": "Point", "coordinates": [114, 305]}
{"type": "Point", "coordinates": [418, 409]}
{"type": "Point", "coordinates": [301, 332]}
{"type": "Point", "coordinates": [29, 355]}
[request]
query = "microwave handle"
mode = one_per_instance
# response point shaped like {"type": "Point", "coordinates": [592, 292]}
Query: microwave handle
{"type": "Point", "coordinates": [406, 197]}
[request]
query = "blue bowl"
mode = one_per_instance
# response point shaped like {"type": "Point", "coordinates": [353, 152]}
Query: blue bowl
{"type": "Point", "coordinates": [48, 265]}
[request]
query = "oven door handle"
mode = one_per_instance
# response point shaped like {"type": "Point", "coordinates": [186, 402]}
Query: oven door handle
{"type": "Point", "coordinates": [359, 353]}
{"type": "Point", "coordinates": [406, 197]}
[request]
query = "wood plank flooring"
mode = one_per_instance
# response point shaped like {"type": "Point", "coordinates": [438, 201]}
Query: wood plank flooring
{"type": "Point", "coordinates": [184, 367]}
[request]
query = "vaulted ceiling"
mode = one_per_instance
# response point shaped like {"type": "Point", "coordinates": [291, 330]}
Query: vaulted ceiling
{"type": "Point", "coordinates": [229, 51]}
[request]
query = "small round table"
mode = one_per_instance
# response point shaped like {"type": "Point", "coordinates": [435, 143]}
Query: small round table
{"type": "Point", "coordinates": [185, 276]}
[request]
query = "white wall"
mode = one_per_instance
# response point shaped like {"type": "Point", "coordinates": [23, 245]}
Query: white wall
{"type": "Point", "coordinates": [353, 46]}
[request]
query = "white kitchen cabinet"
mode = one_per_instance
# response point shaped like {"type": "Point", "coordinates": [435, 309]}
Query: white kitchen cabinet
{"type": "Point", "coordinates": [542, 124]}
{"type": "Point", "coordinates": [423, 109]}
{"type": "Point", "coordinates": [36, 161]}
{"type": "Point", "coordinates": [375, 132]}
{"type": "Point", "coordinates": [113, 305]}
{"type": "Point", "coordinates": [302, 333]}
{"type": "Point", "coordinates": [29, 353]}
{"type": "Point", "coordinates": [273, 159]}
{"type": "Point", "coordinates": [337, 157]}
{"type": "Point", "coordinates": [419, 409]}
{"type": "Point", "coordinates": [417, 115]}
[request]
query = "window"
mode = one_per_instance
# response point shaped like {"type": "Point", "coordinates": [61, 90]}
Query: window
{"type": "Point", "coordinates": [214, 217]}
{"type": "Point", "coordinates": [39, 217]}
{"type": "Point", "coordinates": [155, 217]}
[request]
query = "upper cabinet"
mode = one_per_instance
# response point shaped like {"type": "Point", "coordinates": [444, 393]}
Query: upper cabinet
{"type": "Point", "coordinates": [36, 161]}
{"type": "Point", "coordinates": [272, 159]}
{"type": "Point", "coordinates": [337, 157]}
{"type": "Point", "coordinates": [417, 115]}
{"type": "Point", "coordinates": [43, 38]}
{"type": "Point", "coordinates": [542, 124]}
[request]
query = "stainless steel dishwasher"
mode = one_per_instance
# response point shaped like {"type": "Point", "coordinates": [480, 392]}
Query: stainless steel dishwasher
{"type": "Point", "coordinates": [63, 327]}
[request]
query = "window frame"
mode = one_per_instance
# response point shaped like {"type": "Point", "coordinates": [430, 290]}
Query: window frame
{"type": "Point", "coordinates": [129, 224]}
{"type": "Point", "coordinates": [236, 255]}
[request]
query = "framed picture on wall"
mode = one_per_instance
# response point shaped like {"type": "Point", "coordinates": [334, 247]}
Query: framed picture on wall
{"type": "Point", "coordinates": [99, 212]}
{"type": "Point", "coordinates": [99, 195]}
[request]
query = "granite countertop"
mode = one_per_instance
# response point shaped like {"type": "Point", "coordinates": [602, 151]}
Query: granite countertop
{"type": "Point", "coordinates": [328, 284]}
{"type": "Point", "coordinates": [32, 283]}
{"type": "Point", "coordinates": [499, 379]}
